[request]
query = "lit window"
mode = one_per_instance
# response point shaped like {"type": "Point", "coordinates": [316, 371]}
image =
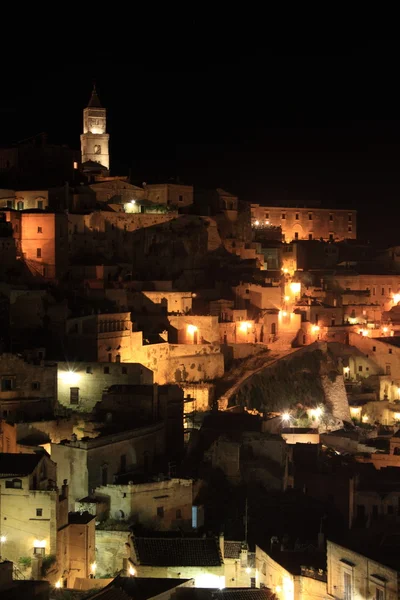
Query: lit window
{"type": "Point", "coordinates": [39, 551]}
{"type": "Point", "coordinates": [75, 165]}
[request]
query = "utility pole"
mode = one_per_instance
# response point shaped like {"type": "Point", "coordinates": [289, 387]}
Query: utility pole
{"type": "Point", "coordinates": [245, 520]}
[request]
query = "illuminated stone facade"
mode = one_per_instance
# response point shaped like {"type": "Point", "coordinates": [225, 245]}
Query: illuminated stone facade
{"type": "Point", "coordinates": [306, 223]}
{"type": "Point", "coordinates": [94, 139]}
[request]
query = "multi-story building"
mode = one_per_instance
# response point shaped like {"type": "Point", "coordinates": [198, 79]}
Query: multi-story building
{"type": "Point", "coordinates": [365, 566]}
{"type": "Point", "coordinates": [306, 223]}
{"type": "Point", "coordinates": [94, 139]}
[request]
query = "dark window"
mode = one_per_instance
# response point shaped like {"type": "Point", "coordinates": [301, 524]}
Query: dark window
{"type": "Point", "coordinates": [331, 217]}
{"type": "Point", "coordinates": [7, 384]}
{"type": "Point", "coordinates": [383, 292]}
{"type": "Point", "coordinates": [390, 351]}
{"type": "Point", "coordinates": [350, 217]}
{"type": "Point", "coordinates": [9, 203]}
{"type": "Point", "coordinates": [104, 475]}
{"type": "Point", "coordinates": [74, 395]}
{"type": "Point", "coordinates": [89, 370]}
{"type": "Point", "coordinates": [124, 371]}
{"type": "Point", "coordinates": [297, 216]}
{"type": "Point", "coordinates": [109, 357]}
{"type": "Point", "coordinates": [15, 483]}
{"type": "Point", "coordinates": [36, 385]}
{"type": "Point", "coordinates": [331, 237]}
{"type": "Point", "coordinates": [40, 205]}
{"type": "Point", "coordinates": [160, 511]}
{"type": "Point", "coordinates": [388, 370]}
{"type": "Point", "coordinates": [252, 582]}
{"type": "Point", "coordinates": [179, 514]}
{"type": "Point", "coordinates": [180, 198]}
{"type": "Point", "coordinates": [118, 358]}
{"type": "Point", "coordinates": [39, 512]}
{"type": "Point", "coordinates": [379, 595]}
{"type": "Point", "coordinates": [310, 236]}
{"type": "Point", "coordinates": [349, 229]}
{"type": "Point", "coordinates": [106, 370]}
{"type": "Point", "coordinates": [360, 368]}
{"type": "Point", "coordinates": [123, 463]}
{"type": "Point", "coordinates": [38, 253]}
{"type": "Point", "coordinates": [310, 216]}
{"type": "Point", "coordinates": [39, 230]}
{"type": "Point", "coordinates": [283, 216]}
{"type": "Point", "coordinates": [390, 509]}
{"type": "Point", "coordinates": [267, 215]}
{"type": "Point", "coordinates": [373, 348]}
{"type": "Point", "coordinates": [296, 235]}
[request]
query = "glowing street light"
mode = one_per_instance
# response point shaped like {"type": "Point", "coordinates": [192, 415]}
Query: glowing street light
{"type": "Point", "coordinates": [133, 201]}
{"type": "Point", "coordinates": [286, 417]}
{"type": "Point", "coordinates": [70, 377]}
{"type": "Point", "coordinates": [132, 571]}
{"type": "Point", "coordinates": [93, 567]}
{"type": "Point", "coordinates": [248, 570]}
{"type": "Point", "coordinates": [58, 584]}
{"type": "Point", "coordinates": [244, 326]}
{"type": "Point", "coordinates": [315, 328]}
{"type": "Point", "coordinates": [287, 298]}
{"type": "Point", "coordinates": [191, 329]}
{"type": "Point", "coordinates": [3, 539]}
{"type": "Point", "coordinates": [257, 223]}
{"type": "Point", "coordinates": [365, 419]}
{"type": "Point", "coordinates": [396, 298]}
{"type": "Point", "coordinates": [295, 287]}
{"type": "Point", "coordinates": [385, 329]}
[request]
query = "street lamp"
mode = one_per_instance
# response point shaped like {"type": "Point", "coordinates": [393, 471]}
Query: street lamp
{"type": "Point", "coordinates": [3, 539]}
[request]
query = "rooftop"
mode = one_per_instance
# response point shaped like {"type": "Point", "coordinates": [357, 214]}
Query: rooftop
{"type": "Point", "coordinates": [139, 588]}
{"type": "Point", "coordinates": [174, 552]}
{"type": "Point", "coordinates": [18, 464]}
{"type": "Point", "coordinates": [381, 546]}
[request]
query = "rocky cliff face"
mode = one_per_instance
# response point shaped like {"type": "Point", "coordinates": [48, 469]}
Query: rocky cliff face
{"type": "Point", "coordinates": [336, 397]}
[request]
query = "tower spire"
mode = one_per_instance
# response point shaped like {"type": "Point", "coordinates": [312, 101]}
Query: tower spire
{"type": "Point", "coordinates": [94, 101]}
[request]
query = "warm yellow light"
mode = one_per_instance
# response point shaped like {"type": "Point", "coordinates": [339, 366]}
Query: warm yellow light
{"type": "Point", "coordinates": [39, 544]}
{"type": "Point", "coordinates": [285, 270]}
{"type": "Point", "coordinates": [354, 411]}
{"type": "Point", "coordinates": [295, 287]}
{"type": "Point", "coordinates": [244, 326]}
{"type": "Point", "coordinates": [257, 223]}
{"type": "Point", "coordinates": [191, 329]}
{"type": "Point", "coordinates": [396, 298]}
{"type": "Point", "coordinates": [315, 328]}
{"type": "Point", "coordinates": [397, 416]}
{"type": "Point", "coordinates": [286, 417]}
{"type": "Point", "coordinates": [363, 332]}
{"type": "Point", "coordinates": [133, 201]}
{"type": "Point", "coordinates": [93, 567]}
{"type": "Point", "coordinates": [316, 412]}
{"type": "Point", "coordinates": [70, 377]}
{"type": "Point", "coordinates": [287, 298]}
{"type": "Point", "coordinates": [346, 369]}
{"type": "Point", "coordinates": [248, 570]}
{"type": "Point", "coordinates": [385, 329]}
{"type": "Point", "coordinates": [284, 313]}
{"type": "Point", "coordinates": [365, 419]}
{"type": "Point", "coordinates": [353, 320]}
{"type": "Point", "coordinates": [267, 222]}
{"type": "Point", "coordinates": [58, 584]}
{"type": "Point", "coordinates": [132, 571]}
{"type": "Point", "coordinates": [75, 165]}
{"type": "Point", "coordinates": [278, 589]}
{"type": "Point", "coordinates": [3, 539]}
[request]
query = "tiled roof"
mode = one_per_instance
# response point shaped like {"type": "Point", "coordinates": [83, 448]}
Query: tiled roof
{"type": "Point", "coordinates": [175, 552]}
{"type": "Point", "coordinates": [137, 588]}
{"type": "Point", "coordinates": [111, 593]}
{"type": "Point", "coordinates": [232, 549]}
{"type": "Point", "coordinates": [18, 464]}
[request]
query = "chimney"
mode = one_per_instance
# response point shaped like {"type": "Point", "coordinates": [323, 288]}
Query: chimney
{"type": "Point", "coordinates": [64, 489]}
{"type": "Point", "coordinates": [244, 553]}
{"type": "Point", "coordinates": [222, 545]}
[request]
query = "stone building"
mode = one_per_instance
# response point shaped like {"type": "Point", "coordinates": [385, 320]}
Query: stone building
{"type": "Point", "coordinates": [365, 566]}
{"type": "Point", "coordinates": [170, 194]}
{"type": "Point", "coordinates": [81, 385]}
{"type": "Point", "coordinates": [286, 573]}
{"type": "Point", "coordinates": [94, 139]}
{"type": "Point", "coordinates": [158, 505]}
{"type": "Point", "coordinates": [24, 199]}
{"type": "Point", "coordinates": [306, 223]}
{"type": "Point", "coordinates": [103, 338]}
{"type": "Point", "coordinates": [89, 463]}
{"type": "Point", "coordinates": [182, 558]}
{"type": "Point", "coordinates": [28, 389]}
{"type": "Point", "coordinates": [8, 437]}
{"type": "Point", "coordinates": [383, 290]}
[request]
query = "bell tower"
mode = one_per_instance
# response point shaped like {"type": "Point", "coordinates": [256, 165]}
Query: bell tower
{"type": "Point", "coordinates": [94, 139]}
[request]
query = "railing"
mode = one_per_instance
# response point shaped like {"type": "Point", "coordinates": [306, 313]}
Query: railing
{"type": "Point", "coordinates": [318, 574]}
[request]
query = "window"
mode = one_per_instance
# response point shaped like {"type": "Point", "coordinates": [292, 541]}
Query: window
{"type": "Point", "coordinates": [310, 236]}
{"type": "Point", "coordinates": [331, 217]}
{"type": "Point", "coordinates": [390, 351]}
{"type": "Point", "coordinates": [347, 586]}
{"type": "Point", "coordinates": [39, 551]}
{"type": "Point", "coordinates": [9, 203]}
{"type": "Point", "coordinates": [349, 229]}
{"type": "Point", "coordinates": [89, 370]}
{"type": "Point", "coordinates": [39, 230]}
{"type": "Point", "coordinates": [36, 386]}
{"type": "Point", "coordinates": [109, 357]}
{"type": "Point", "coordinates": [75, 165]}
{"type": "Point", "coordinates": [124, 371]}
{"type": "Point", "coordinates": [383, 292]}
{"type": "Point", "coordinates": [180, 198]}
{"type": "Point", "coordinates": [106, 370]}
{"type": "Point", "coordinates": [350, 217]}
{"type": "Point", "coordinates": [118, 358]}
{"type": "Point", "coordinates": [40, 206]}
{"type": "Point", "coordinates": [283, 216]}
{"type": "Point", "coordinates": [283, 237]}
{"type": "Point", "coordinates": [360, 369]}
{"type": "Point", "coordinates": [39, 512]}
{"type": "Point", "coordinates": [160, 511]}
{"type": "Point", "coordinates": [390, 509]}
{"type": "Point", "coordinates": [296, 235]}
{"type": "Point", "coordinates": [20, 205]}
{"type": "Point", "coordinates": [331, 237]}
{"type": "Point", "coordinates": [38, 253]}
{"type": "Point", "coordinates": [297, 216]}
{"type": "Point", "coordinates": [179, 514]}
{"type": "Point", "coordinates": [267, 215]}
{"type": "Point", "coordinates": [373, 348]}
{"type": "Point", "coordinates": [15, 483]}
{"type": "Point", "coordinates": [44, 271]}
{"type": "Point", "coordinates": [373, 291]}
{"type": "Point", "coordinates": [388, 370]}
{"type": "Point", "coordinates": [310, 216]}
{"type": "Point", "coordinates": [379, 595]}
{"type": "Point", "coordinates": [74, 395]}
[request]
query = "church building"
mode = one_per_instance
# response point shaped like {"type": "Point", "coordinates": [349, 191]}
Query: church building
{"type": "Point", "coordinates": [94, 139]}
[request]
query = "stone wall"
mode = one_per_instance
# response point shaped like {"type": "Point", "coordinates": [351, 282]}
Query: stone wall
{"type": "Point", "coordinates": [336, 397]}
{"type": "Point", "coordinates": [112, 547]}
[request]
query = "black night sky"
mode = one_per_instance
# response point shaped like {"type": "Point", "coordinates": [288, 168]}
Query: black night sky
{"type": "Point", "coordinates": [267, 125]}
